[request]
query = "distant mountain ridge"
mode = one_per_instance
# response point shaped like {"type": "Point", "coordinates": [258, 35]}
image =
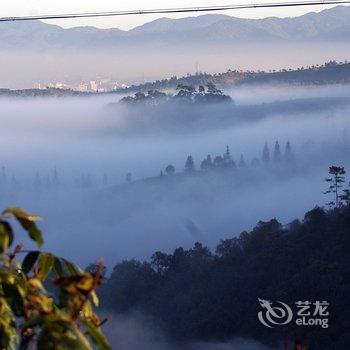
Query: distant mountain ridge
{"type": "Point", "coordinates": [330, 24]}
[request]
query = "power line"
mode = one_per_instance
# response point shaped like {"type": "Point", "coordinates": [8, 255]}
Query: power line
{"type": "Point", "coordinates": [174, 10]}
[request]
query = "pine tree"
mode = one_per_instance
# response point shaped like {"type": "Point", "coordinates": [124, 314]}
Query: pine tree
{"type": "Point", "coordinates": [189, 165]}
{"type": "Point", "coordinates": [335, 184]}
{"type": "Point", "coordinates": [288, 154]}
{"type": "Point", "coordinates": [209, 161]}
{"type": "Point", "coordinates": [204, 165]}
{"type": "Point", "coordinates": [277, 156]}
{"type": "Point", "coordinates": [266, 154]}
{"type": "Point", "coordinates": [218, 162]}
{"type": "Point", "coordinates": [228, 162]}
{"type": "Point", "coordinates": [227, 153]}
{"type": "Point", "coordinates": [242, 162]}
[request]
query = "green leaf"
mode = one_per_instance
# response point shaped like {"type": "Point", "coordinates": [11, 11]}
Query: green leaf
{"type": "Point", "coordinates": [6, 236]}
{"type": "Point", "coordinates": [71, 268]}
{"type": "Point", "coordinates": [96, 335]}
{"type": "Point", "coordinates": [56, 339]}
{"type": "Point", "coordinates": [14, 298]}
{"type": "Point", "coordinates": [20, 213]}
{"type": "Point", "coordinates": [82, 340]}
{"type": "Point", "coordinates": [94, 298]}
{"type": "Point", "coordinates": [33, 231]}
{"type": "Point", "coordinates": [57, 267]}
{"type": "Point", "coordinates": [27, 221]}
{"type": "Point", "coordinates": [45, 265]}
{"type": "Point", "coordinates": [29, 261]}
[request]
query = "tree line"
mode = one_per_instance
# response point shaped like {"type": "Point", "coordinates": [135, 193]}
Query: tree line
{"type": "Point", "coordinates": [208, 93]}
{"type": "Point", "coordinates": [329, 72]}
{"type": "Point", "coordinates": [197, 294]}
{"type": "Point", "coordinates": [52, 180]}
{"type": "Point", "coordinates": [200, 294]}
{"type": "Point", "coordinates": [226, 161]}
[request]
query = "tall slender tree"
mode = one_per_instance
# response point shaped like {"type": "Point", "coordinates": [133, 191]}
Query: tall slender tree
{"type": "Point", "coordinates": [277, 156]}
{"type": "Point", "coordinates": [266, 154]}
{"type": "Point", "coordinates": [208, 162]}
{"type": "Point", "coordinates": [189, 165]}
{"type": "Point", "coordinates": [228, 162]}
{"type": "Point", "coordinates": [335, 181]}
{"type": "Point", "coordinates": [242, 162]}
{"type": "Point", "coordinates": [288, 153]}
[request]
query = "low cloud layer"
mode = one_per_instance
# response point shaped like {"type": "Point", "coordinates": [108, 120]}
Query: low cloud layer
{"type": "Point", "coordinates": [67, 160]}
{"type": "Point", "coordinates": [136, 333]}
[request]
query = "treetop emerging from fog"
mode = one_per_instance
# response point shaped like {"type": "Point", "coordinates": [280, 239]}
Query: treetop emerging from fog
{"type": "Point", "coordinates": [185, 94]}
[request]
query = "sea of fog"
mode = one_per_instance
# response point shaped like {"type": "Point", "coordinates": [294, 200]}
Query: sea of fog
{"type": "Point", "coordinates": [67, 160]}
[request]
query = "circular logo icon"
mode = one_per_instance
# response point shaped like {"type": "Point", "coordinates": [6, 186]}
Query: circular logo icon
{"type": "Point", "coordinates": [274, 313]}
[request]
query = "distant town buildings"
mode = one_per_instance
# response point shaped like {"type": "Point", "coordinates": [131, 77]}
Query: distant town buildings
{"type": "Point", "coordinates": [93, 86]}
{"type": "Point", "coordinates": [98, 85]}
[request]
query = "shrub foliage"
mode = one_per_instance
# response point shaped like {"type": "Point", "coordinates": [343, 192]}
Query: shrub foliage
{"type": "Point", "coordinates": [45, 301]}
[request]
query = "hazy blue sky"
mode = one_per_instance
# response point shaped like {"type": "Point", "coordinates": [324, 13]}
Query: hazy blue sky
{"type": "Point", "coordinates": [35, 7]}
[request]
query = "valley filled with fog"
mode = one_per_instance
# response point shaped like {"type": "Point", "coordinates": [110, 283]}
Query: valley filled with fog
{"type": "Point", "coordinates": [95, 169]}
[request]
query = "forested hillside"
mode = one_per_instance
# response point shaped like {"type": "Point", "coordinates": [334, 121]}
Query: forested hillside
{"type": "Point", "coordinates": [329, 73]}
{"type": "Point", "coordinates": [199, 294]}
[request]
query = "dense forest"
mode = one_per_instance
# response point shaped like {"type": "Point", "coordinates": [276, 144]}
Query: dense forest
{"type": "Point", "coordinates": [185, 93]}
{"type": "Point", "coordinates": [199, 294]}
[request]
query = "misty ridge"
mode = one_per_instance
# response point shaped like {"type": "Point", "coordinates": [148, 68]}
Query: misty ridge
{"type": "Point", "coordinates": [331, 72]}
{"type": "Point", "coordinates": [211, 28]}
{"type": "Point", "coordinates": [90, 163]}
{"type": "Point", "coordinates": [189, 110]}
{"type": "Point", "coordinates": [168, 47]}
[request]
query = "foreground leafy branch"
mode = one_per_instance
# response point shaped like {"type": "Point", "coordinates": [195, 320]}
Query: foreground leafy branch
{"type": "Point", "coordinates": [32, 316]}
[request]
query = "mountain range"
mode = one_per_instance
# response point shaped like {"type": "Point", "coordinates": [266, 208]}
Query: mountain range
{"type": "Point", "coordinates": [328, 25]}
